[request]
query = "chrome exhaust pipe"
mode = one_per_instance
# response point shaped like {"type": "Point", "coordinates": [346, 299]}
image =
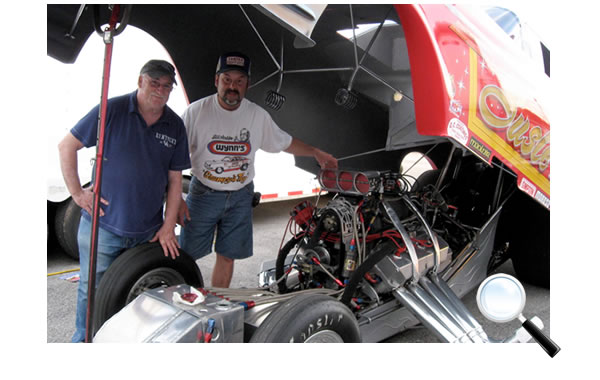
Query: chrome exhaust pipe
{"type": "Point", "coordinates": [437, 309]}
{"type": "Point", "coordinates": [442, 313]}
{"type": "Point", "coordinates": [462, 311]}
{"type": "Point", "coordinates": [427, 318]}
{"type": "Point", "coordinates": [454, 307]}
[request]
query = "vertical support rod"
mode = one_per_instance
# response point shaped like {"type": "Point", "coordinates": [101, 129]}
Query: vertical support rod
{"type": "Point", "coordinates": [442, 176]}
{"type": "Point", "coordinates": [108, 40]}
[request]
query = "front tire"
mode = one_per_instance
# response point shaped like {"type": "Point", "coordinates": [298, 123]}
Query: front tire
{"type": "Point", "coordinates": [139, 269]}
{"type": "Point", "coordinates": [309, 318]}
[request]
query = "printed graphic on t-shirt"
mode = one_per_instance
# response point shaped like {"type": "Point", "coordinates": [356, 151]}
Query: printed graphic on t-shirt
{"type": "Point", "coordinates": [227, 164]}
{"type": "Point", "coordinates": [233, 166]}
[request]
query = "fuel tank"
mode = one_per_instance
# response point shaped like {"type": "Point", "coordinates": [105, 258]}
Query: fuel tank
{"type": "Point", "coordinates": [158, 316]}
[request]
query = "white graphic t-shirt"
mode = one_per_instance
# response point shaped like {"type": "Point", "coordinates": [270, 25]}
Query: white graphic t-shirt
{"type": "Point", "coordinates": [223, 143]}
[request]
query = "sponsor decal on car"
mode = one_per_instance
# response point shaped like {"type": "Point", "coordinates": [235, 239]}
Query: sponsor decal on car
{"type": "Point", "coordinates": [458, 130]}
{"type": "Point", "coordinates": [527, 186]}
{"type": "Point", "coordinates": [479, 148]}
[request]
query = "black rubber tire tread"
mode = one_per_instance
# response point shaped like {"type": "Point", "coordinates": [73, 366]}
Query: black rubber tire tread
{"type": "Point", "coordinates": [66, 226]}
{"type": "Point", "coordinates": [279, 263]}
{"type": "Point", "coordinates": [131, 265]}
{"type": "Point", "coordinates": [304, 315]}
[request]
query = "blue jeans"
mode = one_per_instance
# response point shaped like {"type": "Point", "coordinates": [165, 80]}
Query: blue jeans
{"type": "Point", "coordinates": [110, 246]}
{"type": "Point", "coordinates": [230, 212]}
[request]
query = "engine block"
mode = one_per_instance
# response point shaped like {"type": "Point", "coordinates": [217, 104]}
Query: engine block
{"type": "Point", "coordinates": [396, 270]}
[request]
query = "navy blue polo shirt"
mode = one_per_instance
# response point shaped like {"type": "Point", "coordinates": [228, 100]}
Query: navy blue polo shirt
{"type": "Point", "coordinates": [137, 160]}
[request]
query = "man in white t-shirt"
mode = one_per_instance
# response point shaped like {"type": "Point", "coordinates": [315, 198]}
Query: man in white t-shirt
{"type": "Point", "coordinates": [224, 132]}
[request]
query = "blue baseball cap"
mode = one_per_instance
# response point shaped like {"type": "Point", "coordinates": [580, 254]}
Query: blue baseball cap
{"type": "Point", "coordinates": [234, 61]}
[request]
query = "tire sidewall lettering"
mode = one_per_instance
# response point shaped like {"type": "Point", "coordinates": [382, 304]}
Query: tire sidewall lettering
{"type": "Point", "coordinates": [324, 322]}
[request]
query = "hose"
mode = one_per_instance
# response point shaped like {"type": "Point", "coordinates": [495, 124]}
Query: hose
{"type": "Point", "coordinates": [62, 272]}
{"type": "Point", "coordinates": [262, 296]}
{"type": "Point", "coordinates": [376, 256]}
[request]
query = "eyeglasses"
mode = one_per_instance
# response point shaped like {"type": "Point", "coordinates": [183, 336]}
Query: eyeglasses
{"type": "Point", "coordinates": [155, 84]}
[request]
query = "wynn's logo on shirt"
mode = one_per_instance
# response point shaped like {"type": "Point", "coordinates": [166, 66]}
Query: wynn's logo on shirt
{"type": "Point", "coordinates": [237, 148]}
{"type": "Point", "coordinates": [231, 145]}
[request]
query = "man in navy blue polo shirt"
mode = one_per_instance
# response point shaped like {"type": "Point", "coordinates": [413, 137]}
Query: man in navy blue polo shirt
{"type": "Point", "coordinates": [145, 151]}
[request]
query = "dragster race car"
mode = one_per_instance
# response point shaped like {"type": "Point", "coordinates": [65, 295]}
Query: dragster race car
{"type": "Point", "coordinates": [465, 86]}
{"type": "Point", "coordinates": [372, 262]}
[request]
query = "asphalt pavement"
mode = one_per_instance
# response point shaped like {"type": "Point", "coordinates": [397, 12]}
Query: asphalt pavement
{"type": "Point", "coordinates": [270, 221]}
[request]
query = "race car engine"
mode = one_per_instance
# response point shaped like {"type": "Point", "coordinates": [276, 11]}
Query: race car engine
{"type": "Point", "coordinates": [356, 244]}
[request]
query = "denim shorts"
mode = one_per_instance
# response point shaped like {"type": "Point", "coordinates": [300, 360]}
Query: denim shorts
{"type": "Point", "coordinates": [220, 217]}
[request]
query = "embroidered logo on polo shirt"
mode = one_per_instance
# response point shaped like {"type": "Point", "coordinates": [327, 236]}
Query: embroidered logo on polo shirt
{"type": "Point", "coordinates": [165, 140]}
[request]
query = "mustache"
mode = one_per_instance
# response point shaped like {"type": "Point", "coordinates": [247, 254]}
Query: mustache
{"type": "Point", "coordinates": [159, 95]}
{"type": "Point", "coordinates": [232, 91]}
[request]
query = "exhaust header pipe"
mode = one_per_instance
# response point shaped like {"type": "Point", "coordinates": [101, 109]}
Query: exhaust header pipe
{"type": "Point", "coordinates": [440, 312]}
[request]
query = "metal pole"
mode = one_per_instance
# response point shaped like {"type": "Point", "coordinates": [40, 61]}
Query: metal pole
{"type": "Point", "coordinates": [108, 40]}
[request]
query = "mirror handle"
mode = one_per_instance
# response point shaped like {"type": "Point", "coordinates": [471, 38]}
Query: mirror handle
{"type": "Point", "coordinates": [547, 344]}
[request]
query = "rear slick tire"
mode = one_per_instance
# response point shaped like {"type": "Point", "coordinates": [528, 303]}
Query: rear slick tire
{"type": "Point", "coordinates": [139, 269]}
{"type": "Point", "coordinates": [309, 318]}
